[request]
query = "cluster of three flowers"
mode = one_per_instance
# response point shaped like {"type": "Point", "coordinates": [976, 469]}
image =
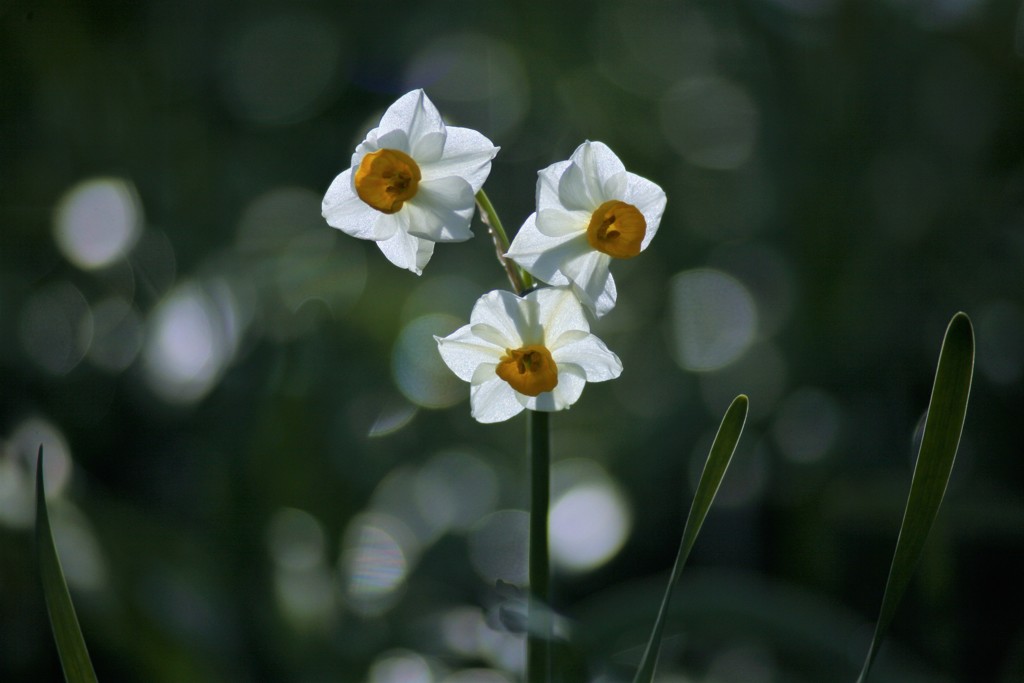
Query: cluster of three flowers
{"type": "Point", "coordinates": [413, 183]}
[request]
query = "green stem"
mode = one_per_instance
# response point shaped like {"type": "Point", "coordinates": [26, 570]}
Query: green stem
{"type": "Point", "coordinates": [520, 279]}
{"type": "Point", "coordinates": [539, 622]}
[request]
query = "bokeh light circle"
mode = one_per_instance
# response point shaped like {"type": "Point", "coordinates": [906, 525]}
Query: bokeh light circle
{"type": "Point", "coordinates": [498, 546]}
{"type": "Point", "coordinates": [710, 122]}
{"type": "Point", "coordinates": [400, 667]}
{"type": "Point", "coordinates": [55, 327]}
{"type": "Point", "coordinates": [589, 524]}
{"type": "Point", "coordinates": [714, 319]}
{"type": "Point", "coordinates": [97, 222]}
{"type": "Point", "coordinates": [300, 263]}
{"type": "Point", "coordinates": [806, 425]}
{"type": "Point", "coordinates": [476, 676]}
{"type": "Point", "coordinates": [454, 489]}
{"type": "Point", "coordinates": [590, 517]}
{"type": "Point", "coordinates": [417, 367]}
{"type": "Point", "coordinates": [117, 335]}
{"type": "Point", "coordinates": [18, 454]}
{"type": "Point", "coordinates": [295, 539]}
{"type": "Point", "coordinates": [375, 562]}
{"type": "Point", "coordinates": [1001, 341]}
{"type": "Point", "coordinates": [81, 555]}
{"type": "Point", "coordinates": [284, 68]}
{"type": "Point", "coordinates": [192, 336]}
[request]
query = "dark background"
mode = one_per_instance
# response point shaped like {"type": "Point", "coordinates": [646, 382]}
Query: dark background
{"type": "Point", "coordinates": [260, 471]}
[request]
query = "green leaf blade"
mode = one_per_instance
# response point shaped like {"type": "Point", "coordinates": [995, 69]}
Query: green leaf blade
{"type": "Point", "coordinates": [944, 423]}
{"type": "Point", "coordinates": [74, 656]}
{"type": "Point", "coordinates": [719, 457]}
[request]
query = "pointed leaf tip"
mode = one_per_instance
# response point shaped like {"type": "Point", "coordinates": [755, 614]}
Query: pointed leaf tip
{"type": "Point", "coordinates": [943, 427]}
{"type": "Point", "coordinates": [722, 450]}
{"type": "Point", "coordinates": [74, 656]}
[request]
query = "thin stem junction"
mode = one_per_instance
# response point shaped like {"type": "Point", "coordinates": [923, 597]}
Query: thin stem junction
{"type": "Point", "coordinates": [519, 278]}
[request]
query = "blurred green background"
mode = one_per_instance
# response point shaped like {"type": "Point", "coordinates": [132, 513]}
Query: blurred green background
{"type": "Point", "coordinates": [258, 468]}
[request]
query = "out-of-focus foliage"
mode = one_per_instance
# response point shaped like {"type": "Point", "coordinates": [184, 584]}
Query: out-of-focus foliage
{"type": "Point", "coordinates": [258, 467]}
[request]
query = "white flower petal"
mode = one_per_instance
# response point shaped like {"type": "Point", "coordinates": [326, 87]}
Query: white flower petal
{"type": "Point", "coordinates": [467, 154]}
{"type": "Point", "coordinates": [582, 185]}
{"type": "Point", "coordinates": [574, 191]}
{"type": "Point", "coordinates": [394, 139]}
{"type": "Point", "coordinates": [362, 150]}
{"type": "Point", "coordinates": [528, 241]}
{"type": "Point", "coordinates": [365, 147]}
{"type": "Point", "coordinates": [557, 341]}
{"type": "Point", "coordinates": [560, 222]}
{"type": "Point", "coordinates": [343, 209]}
{"type": "Point", "coordinates": [493, 335]}
{"type": "Point", "coordinates": [605, 300]}
{"type": "Point", "coordinates": [423, 222]}
{"type": "Point", "coordinates": [424, 251]}
{"type": "Point", "coordinates": [405, 250]}
{"type": "Point", "coordinates": [614, 187]}
{"type": "Point", "coordinates": [491, 399]}
{"type": "Point", "coordinates": [442, 210]}
{"type": "Point", "coordinates": [598, 161]}
{"type": "Point", "coordinates": [504, 313]}
{"type": "Point", "coordinates": [650, 199]}
{"type": "Point", "coordinates": [414, 114]}
{"type": "Point", "coordinates": [570, 386]}
{"type": "Point", "coordinates": [427, 148]}
{"type": "Point", "coordinates": [464, 351]}
{"type": "Point", "coordinates": [547, 185]}
{"type": "Point", "coordinates": [590, 354]}
{"type": "Point", "coordinates": [560, 312]}
{"type": "Point", "coordinates": [543, 256]}
{"type": "Point", "coordinates": [590, 276]}
{"type": "Point", "coordinates": [568, 390]}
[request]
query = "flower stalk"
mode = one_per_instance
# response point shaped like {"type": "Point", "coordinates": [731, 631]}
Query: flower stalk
{"type": "Point", "coordinates": [539, 620]}
{"type": "Point", "coordinates": [519, 278]}
{"type": "Point", "coordinates": [538, 438]}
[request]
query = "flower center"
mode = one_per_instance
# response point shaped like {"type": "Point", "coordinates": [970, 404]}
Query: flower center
{"type": "Point", "coordinates": [530, 370]}
{"type": "Point", "coordinates": [617, 229]}
{"type": "Point", "coordinates": [386, 179]}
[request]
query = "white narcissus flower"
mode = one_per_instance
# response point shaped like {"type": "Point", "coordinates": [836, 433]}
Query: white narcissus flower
{"type": "Point", "coordinates": [412, 183]}
{"type": "Point", "coordinates": [589, 211]}
{"type": "Point", "coordinates": [533, 352]}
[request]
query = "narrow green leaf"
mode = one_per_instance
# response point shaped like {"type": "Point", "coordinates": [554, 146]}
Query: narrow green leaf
{"type": "Point", "coordinates": [943, 426]}
{"type": "Point", "coordinates": [74, 657]}
{"type": "Point", "coordinates": [714, 470]}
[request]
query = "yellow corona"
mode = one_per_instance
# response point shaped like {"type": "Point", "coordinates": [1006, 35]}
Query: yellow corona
{"type": "Point", "coordinates": [617, 229]}
{"type": "Point", "coordinates": [386, 179]}
{"type": "Point", "coordinates": [530, 370]}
